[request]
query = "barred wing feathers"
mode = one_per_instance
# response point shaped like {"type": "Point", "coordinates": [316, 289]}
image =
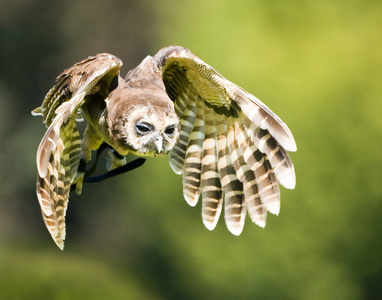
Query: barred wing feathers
{"type": "Point", "coordinates": [232, 148]}
{"type": "Point", "coordinates": [58, 154]}
{"type": "Point", "coordinates": [53, 188]}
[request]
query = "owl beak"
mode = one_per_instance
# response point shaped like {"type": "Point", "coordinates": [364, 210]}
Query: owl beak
{"type": "Point", "coordinates": [159, 144]}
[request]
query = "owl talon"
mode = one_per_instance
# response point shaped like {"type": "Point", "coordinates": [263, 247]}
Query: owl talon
{"type": "Point", "coordinates": [114, 160]}
{"type": "Point", "coordinates": [78, 181]}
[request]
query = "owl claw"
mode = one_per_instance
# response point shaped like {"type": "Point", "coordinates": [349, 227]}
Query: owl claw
{"type": "Point", "coordinates": [114, 160]}
{"type": "Point", "coordinates": [78, 182]}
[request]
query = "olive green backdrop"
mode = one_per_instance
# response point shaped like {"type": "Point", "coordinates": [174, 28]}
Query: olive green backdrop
{"type": "Point", "coordinates": [317, 64]}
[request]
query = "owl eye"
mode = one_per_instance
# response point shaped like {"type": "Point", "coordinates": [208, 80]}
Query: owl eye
{"type": "Point", "coordinates": [143, 128]}
{"type": "Point", "coordinates": [170, 130]}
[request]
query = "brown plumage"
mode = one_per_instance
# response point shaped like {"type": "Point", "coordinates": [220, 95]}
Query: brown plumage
{"type": "Point", "coordinates": [228, 145]}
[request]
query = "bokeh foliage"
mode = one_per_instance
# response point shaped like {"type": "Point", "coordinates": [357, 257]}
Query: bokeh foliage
{"type": "Point", "coordinates": [318, 65]}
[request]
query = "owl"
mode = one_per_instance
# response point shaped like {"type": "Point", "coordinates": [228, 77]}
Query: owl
{"type": "Point", "coordinates": [229, 147]}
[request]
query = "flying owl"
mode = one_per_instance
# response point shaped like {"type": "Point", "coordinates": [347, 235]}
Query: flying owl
{"type": "Point", "coordinates": [228, 145]}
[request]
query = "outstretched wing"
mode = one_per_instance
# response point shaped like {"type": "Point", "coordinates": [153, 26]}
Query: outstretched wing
{"type": "Point", "coordinates": [232, 147]}
{"type": "Point", "coordinates": [58, 154]}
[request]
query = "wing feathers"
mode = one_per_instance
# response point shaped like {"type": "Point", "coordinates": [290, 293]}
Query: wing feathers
{"type": "Point", "coordinates": [193, 159]}
{"type": "Point", "coordinates": [237, 143]}
{"type": "Point", "coordinates": [47, 145]}
{"type": "Point", "coordinates": [234, 205]}
{"type": "Point", "coordinates": [59, 151]}
{"type": "Point", "coordinates": [210, 180]}
{"type": "Point", "coordinates": [258, 162]}
{"type": "Point", "coordinates": [79, 79]}
{"type": "Point", "coordinates": [70, 157]}
{"type": "Point", "coordinates": [178, 154]}
{"type": "Point", "coordinates": [244, 153]}
{"type": "Point", "coordinates": [49, 191]}
{"type": "Point", "coordinates": [258, 113]}
{"type": "Point", "coordinates": [277, 156]}
{"type": "Point", "coordinates": [53, 188]}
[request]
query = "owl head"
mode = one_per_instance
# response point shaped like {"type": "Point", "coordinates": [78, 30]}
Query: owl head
{"type": "Point", "coordinates": [142, 122]}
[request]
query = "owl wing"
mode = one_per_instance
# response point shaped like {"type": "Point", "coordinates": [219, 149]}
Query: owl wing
{"type": "Point", "coordinates": [58, 154]}
{"type": "Point", "coordinates": [232, 148]}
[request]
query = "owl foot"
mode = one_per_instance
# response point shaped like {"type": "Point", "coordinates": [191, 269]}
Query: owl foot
{"type": "Point", "coordinates": [79, 178]}
{"type": "Point", "coordinates": [114, 160]}
{"type": "Point", "coordinates": [78, 181]}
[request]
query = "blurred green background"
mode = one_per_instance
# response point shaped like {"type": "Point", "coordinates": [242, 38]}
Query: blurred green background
{"type": "Point", "coordinates": [317, 64]}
